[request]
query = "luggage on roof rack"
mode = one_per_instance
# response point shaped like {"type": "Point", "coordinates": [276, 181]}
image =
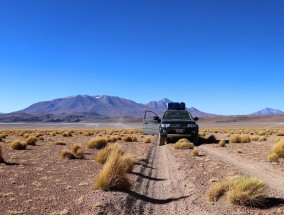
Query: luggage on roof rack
{"type": "Point", "coordinates": [176, 106]}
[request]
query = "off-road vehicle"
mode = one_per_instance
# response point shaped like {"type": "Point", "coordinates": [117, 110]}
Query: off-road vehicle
{"type": "Point", "coordinates": [177, 121]}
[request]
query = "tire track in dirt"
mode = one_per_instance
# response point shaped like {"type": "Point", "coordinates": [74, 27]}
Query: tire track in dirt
{"type": "Point", "coordinates": [159, 188]}
{"type": "Point", "coordinates": [253, 168]}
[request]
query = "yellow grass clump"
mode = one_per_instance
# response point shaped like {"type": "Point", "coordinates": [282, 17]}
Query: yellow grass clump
{"type": "Point", "coordinates": [236, 138]}
{"type": "Point", "coordinates": [31, 140]}
{"type": "Point", "coordinates": [183, 144]}
{"type": "Point", "coordinates": [1, 154]}
{"type": "Point", "coordinates": [59, 143]}
{"type": "Point", "coordinates": [241, 190]}
{"type": "Point", "coordinates": [113, 175]}
{"type": "Point", "coordinates": [147, 140]}
{"type": "Point", "coordinates": [97, 143]}
{"type": "Point", "coordinates": [67, 134]}
{"type": "Point", "coordinates": [17, 145]}
{"type": "Point", "coordinates": [195, 152]}
{"type": "Point", "coordinates": [277, 151]}
{"type": "Point", "coordinates": [66, 154]}
{"type": "Point", "coordinates": [103, 154]}
{"type": "Point", "coordinates": [222, 143]}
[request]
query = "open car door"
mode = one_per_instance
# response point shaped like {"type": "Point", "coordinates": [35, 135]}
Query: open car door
{"type": "Point", "coordinates": [151, 122]}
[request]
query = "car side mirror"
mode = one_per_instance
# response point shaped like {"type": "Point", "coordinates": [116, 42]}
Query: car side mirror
{"type": "Point", "coordinates": [195, 118]}
{"type": "Point", "coordinates": [156, 118]}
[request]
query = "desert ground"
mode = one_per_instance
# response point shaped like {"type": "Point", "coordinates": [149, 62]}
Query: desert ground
{"type": "Point", "coordinates": [164, 180]}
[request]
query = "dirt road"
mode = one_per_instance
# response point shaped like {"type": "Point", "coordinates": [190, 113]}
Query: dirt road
{"type": "Point", "coordinates": [259, 169]}
{"type": "Point", "coordinates": [160, 188]}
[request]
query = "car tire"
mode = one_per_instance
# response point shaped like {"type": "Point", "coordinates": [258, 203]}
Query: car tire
{"type": "Point", "coordinates": [195, 141]}
{"type": "Point", "coordinates": [161, 140]}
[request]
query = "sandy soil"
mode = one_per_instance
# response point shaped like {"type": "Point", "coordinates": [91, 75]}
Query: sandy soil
{"type": "Point", "coordinates": [165, 180]}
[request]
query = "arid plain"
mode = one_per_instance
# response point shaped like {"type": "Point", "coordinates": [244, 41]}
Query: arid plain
{"type": "Point", "coordinates": [162, 180]}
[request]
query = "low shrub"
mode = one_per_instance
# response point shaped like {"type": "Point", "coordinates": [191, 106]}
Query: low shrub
{"type": "Point", "coordinates": [97, 143]}
{"type": "Point", "coordinates": [183, 144]}
{"type": "Point", "coordinates": [241, 190]}
{"type": "Point", "coordinates": [236, 138]}
{"type": "Point", "coordinates": [195, 152]}
{"type": "Point", "coordinates": [277, 151]}
{"type": "Point", "coordinates": [60, 143]}
{"type": "Point", "coordinates": [66, 154]}
{"type": "Point", "coordinates": [17, 145]}
{"type": "Point", "coordinates": [104, 153]}
{"type": "Point", "coordinates": [222, 143]}
{"type": "Point", "coordinates": [31, 140]}
{"type": "Point", "coordinates": [113, 175]}
{"type": "Point", "coordinates": [147, 140]}
{"type": "Point", "coordinates": [1, 154]}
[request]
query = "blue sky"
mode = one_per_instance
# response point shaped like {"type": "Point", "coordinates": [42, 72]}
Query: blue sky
{"type": "Point", "coordinates": [221, 56]}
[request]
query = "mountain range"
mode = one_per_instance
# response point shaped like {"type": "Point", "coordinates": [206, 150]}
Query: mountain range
{"type": "Point", "coordinates": [87, 108]}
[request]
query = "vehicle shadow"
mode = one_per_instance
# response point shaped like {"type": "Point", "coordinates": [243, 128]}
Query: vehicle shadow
{"type": "Point", "coordinates": [270, 203]}
{"type": "Point", "coordinates": [144, 165]}
{"type": "Point", "coordinates": [147, 199]}
{"type": "Point", "coordinates": [147, 177]}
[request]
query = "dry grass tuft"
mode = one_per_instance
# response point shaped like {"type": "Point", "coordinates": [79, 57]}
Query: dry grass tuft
{"type": "Point", "coordinates": [195, 152]}
{"type": "Point", "coordinates": [241, 190]}
{"type": "Point", "coordinates": [128, 161]}
{"type": "Point", "coordinates": [244, 190]}
{"type": "Point", "coordinates": [1, 154]}
{"type": "Point", "coordinates": [75, 148]}
{"type": "Point", "coordinates": [183, 144]}
{"type": "Point", "coordinates": [222, 143]}
{"type": "Point", "coordinates": [97, 143]}
{"type": "Point", "coordinates": [31, 140]}
{"type": "Point", "coordinates": [217, 191]}
{"type": "Point", "coordinates": [66, 154]}
{"type": "Point", "coordinates": [59, 143]}
{"type": "Point", "coordinates": [245, 139]}
{"type": "Point", "coordinates": [103, 154]}
{"type": "Point", "coordinates": [236, 138]}
{"type": "Point", "coordinates": [113, 175]}
{"type": "Point", "coordinates": [147, 140]}
{"type": "Point", "coordinates": [67, 134]}
{"type": "Point", "coordinates": [277, 151]}
{"type": "Point", "coordinates": [17, 145]}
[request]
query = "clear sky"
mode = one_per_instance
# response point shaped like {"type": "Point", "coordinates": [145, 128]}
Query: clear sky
{"type": "Point", "coordinates": [220, 56]}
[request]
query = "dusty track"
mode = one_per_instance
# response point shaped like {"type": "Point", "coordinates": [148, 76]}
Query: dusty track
{"type": "Point", "coordinates": [160, 188]}
{"type": "Point", "coordinates": [258, 169]}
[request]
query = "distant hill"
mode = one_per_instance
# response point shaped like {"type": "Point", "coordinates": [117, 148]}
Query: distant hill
{"type": "Point", "coordinates": [89, 108]}
{"type": "Point", "coordinates": [268, 111]}
{"type": "Point", "coordinates": [85, 108]}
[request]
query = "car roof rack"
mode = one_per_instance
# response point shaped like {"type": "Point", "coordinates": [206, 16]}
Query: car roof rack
{"type": "Point", "coordinates": [176, 106]}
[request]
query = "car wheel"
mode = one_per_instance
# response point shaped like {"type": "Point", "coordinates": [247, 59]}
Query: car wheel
{"type": "Point", "coordinates": [161, 140]}
{"type": "Point", "coordinates": [195, 141]}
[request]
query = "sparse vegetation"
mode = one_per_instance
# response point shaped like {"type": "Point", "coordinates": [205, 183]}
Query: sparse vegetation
{"type": "Point", "coordinates": [104, 153]}
{"type": "Point", "coordinates": [239, 138]}
{"type": "Point", "coordinates": [113, 175]}
{"type": "Point", "coordinates": [277, 151]}
{"type": "Point", "coordinates": [183, 144]}
{"type": "Point", "coordinates": [31, 140]}
{"type": "Point", "coordinates": [59, 143]}
{"type": "Point", "coordinates": [97, 143]}
{"type": "Point", "coordinates": [147, 140]}
{"type": "Point", "coordinates": [1, 154]}
{"type": "Point", "coordinates": [241, 190]}
{"type": "Point", "coordinates": [66, 154]}
{"type": "Point", "coordinates": [76, 152]}
{"type": "Point", "coordinates": [222, 143]}
{"type": "Point", "coordinates": [195, 152]}
{"type": "Point", "coordinates": [17, 145]}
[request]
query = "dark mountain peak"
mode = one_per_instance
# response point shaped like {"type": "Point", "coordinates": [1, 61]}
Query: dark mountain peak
{"type": "Point", "coordinates": [268, 111]}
